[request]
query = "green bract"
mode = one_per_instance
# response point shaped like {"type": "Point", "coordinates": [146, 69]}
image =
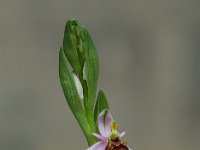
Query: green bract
{"type": "Point", "coordinates": [101, 104]}
{"type": "Point", "coordinates": [78, 61]}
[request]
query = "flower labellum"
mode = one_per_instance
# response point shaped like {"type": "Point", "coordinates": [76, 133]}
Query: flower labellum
{"type": "Point", "coordinates": [110, 138]}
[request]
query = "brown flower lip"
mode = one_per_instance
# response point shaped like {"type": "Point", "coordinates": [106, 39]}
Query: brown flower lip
{"type": "Point", "coordinates": [116, 145]}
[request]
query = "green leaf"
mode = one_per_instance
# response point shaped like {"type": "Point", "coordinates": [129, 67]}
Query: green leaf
{"type": "Point", "coordinates": [101, 104]}
{"type": "Point", "coordinates": [90, 75]}
{"type": "Point", "coordinates": [72, 97]}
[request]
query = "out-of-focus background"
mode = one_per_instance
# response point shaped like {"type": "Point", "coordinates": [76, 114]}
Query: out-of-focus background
{"type": "Point", "coordinates": [149, 68]}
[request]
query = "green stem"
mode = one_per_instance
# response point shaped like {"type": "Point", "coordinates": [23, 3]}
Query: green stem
{"type": "Point", "coordinates": [89, 113]}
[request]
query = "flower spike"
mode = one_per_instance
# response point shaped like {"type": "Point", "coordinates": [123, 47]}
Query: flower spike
{"type": "Point", "coordinates": [78, 72]}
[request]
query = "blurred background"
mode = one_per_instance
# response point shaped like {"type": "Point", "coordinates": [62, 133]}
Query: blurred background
{"type": "Point", "coordinates": [149, 68]}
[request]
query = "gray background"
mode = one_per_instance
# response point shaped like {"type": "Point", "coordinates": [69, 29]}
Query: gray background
{"type": "Point", "coordinates": [149, 68]}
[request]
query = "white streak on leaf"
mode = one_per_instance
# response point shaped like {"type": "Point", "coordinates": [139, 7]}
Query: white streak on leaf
{"type": "Point", "coordinates": [78, 86]}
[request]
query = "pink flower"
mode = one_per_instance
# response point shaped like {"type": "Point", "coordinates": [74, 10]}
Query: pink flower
{"type": "Point", "coordinates": [109, 137]}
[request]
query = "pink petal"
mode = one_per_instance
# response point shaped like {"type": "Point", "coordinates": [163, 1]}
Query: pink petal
{"type": "Point", "coordinates": [122, 134]}
{"type": "Point", "coordinates": [108, 121]}
{"type": "Point", "coordinates": [104, 121]}
{"type": "Point", "coordinates": [98, 146]}
{"type": "Point", "coordinates": [100, 137]}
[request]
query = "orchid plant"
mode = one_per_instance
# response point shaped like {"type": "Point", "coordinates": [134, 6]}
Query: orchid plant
{"type": "Point", "coordinates": [78, 72]}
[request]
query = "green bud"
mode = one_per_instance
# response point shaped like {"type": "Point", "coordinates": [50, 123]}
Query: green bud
{"type": "Point", "coordinates": [72, 45]}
